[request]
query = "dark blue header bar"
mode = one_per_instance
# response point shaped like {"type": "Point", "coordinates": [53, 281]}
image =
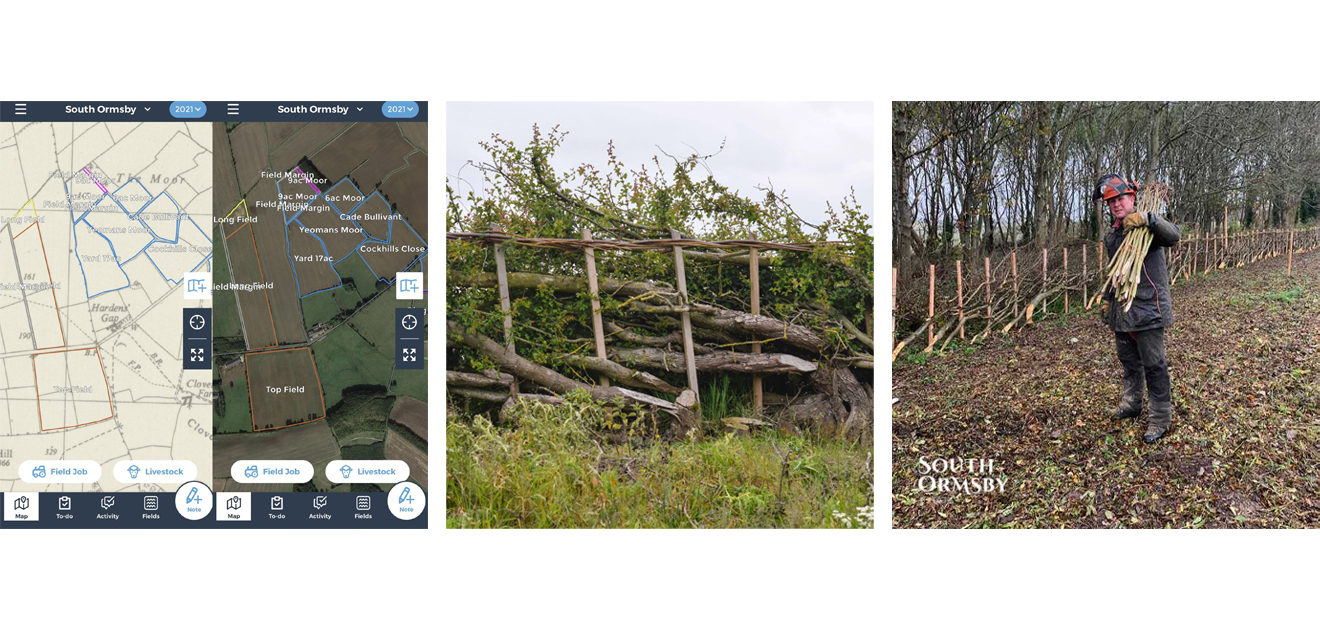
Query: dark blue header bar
{"type": "Point", "coordinates": [213, 111]}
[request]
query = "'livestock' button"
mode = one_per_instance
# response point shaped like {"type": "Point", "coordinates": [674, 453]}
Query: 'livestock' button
{"type": "Point", "coordinates": [57, 471]}
{"type": "Point", "coordinates": [367, 471]}
{"type": "Point", "coordinates": [271, 471]}
{"type": "Point", "coordinates": [161, 471]}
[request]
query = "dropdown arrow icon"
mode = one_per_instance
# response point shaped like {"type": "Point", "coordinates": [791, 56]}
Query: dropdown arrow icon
{"type": "Point", "coordinates": [147, 108]}
{"type": "Point", "coordinates": [359, 109]}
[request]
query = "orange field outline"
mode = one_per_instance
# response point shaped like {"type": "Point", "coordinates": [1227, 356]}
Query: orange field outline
{"type": "Point", "coordinates": [51, 282]}
{"type": "Point", "coordinates": [274, 333]}
{"type": "Point", "coordinates": [247, 374]}
{"type": "Point", "coordinates": [37, 387]}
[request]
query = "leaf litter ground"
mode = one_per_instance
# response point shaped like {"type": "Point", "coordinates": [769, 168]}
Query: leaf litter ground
{"type": "Point", "coordinates": [1244, 358]}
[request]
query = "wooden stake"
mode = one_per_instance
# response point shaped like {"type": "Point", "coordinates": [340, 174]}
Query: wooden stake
{"type": "Point", "coordinates": [502, 276]}
{"type": "Point", "coordinates": [754, 270]}
{"type": "Point", "coordinates": [962, 319]}
{"type": "Point", "coordinates": [1086, 288]}
{"type": "Point", "coordinates": [1044, 281]}
{"type": "Point", "coordinates": [1290, 251]}
{"type": "Point", "coordinates": [930, 313]}
{"type": "Point", "coordinates": [988, 301]}
{"type": "Point", "coordinates": [1065, 281]}
{"type": "Point", "coordinates": [596, 324]}
{"type": "Point", "coordinates": [893, 308]}
{"type": "Point", "coordinates": [689, 355]}
{"type": "Point", "coordinates": [1013, 259]}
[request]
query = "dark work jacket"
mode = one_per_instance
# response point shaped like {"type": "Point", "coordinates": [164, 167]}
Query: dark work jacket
{"type": "Point", "coordinates": [1152, 307]}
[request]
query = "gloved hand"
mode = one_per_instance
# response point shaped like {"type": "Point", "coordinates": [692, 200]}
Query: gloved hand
{"type": "Point", "coordinates": [1134, 220]}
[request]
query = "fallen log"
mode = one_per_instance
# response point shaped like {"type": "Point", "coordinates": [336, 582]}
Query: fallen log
{"type": "Point", "coordinates": [718, 320]}
{"type": "Point", "coordinates": [489, 395]}
{"type": "Point", "coordinates": [512, 400]}
{"type": "Point", "coordinates": [755, 326]}
{"type": "Point", "coordinates": [556, 382]}
{"type": "Point", "coordinates": [623, 334]}
{"type": "Point", "coordinates": [717, 361]}
{"type": "Point", "coordinates": [849, 397]}
{"type": "Point", "coordinates": [559, 284]}
{"type": "Point", "coordinates": [764, 260]}
{"type": "Point", "coordinates": [621, 373]}
{"type": "Point", "coordinates": [468, 379]}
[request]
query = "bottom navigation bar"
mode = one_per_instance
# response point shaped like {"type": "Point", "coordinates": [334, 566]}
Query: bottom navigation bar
{"type": "Point", "coordinates": [404, 507]}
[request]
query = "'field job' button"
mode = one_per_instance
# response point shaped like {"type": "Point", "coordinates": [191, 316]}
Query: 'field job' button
{"type": "Point", "coordinates": [163, 471]}
{"type": "Point", "coordinates": [367, 471]}
{"type": "Point", "coordinates": [42, 471]}
{"type": "Point", "coordinates": [271, 471]}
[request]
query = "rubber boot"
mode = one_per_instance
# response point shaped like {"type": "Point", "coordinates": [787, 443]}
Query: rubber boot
{"type": "Point", "coordinates": [1133, 393]}
{"type": "Point", "coordinates": [1161, 418]}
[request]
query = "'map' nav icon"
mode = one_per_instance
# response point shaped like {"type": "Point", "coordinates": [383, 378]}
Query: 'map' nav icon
{"type": "Point", "coordinates": [408, 285]}
{"type": "Point", "coordinates": [197, 285]}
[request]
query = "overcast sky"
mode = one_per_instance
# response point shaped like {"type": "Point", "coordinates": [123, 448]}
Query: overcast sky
{"type": "Point", "coordinates": [814, 151]}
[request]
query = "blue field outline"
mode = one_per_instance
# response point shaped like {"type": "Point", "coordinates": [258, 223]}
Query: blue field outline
{"type": "Point", "coordinates": [288, 249]}
{"type": "Point", "coordinates": [357, 249]}
{"type": "Point", "coordinates": [135, 216]}
{"type": "Point", "coordinates": [205, 239]}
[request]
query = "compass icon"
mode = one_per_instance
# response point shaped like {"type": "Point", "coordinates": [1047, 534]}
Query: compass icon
{"type": "Point", "coordinates": [409, 322]}
{"type": "Point", "coordinates": [197, 322]}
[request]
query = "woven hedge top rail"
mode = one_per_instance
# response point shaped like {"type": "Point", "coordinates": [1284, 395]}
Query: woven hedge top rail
{"type": "Point", "coordinates": [573, 244]}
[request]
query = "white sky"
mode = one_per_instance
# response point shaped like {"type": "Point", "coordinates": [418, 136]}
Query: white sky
{"type": "Point", "coordinates": [813, 151]}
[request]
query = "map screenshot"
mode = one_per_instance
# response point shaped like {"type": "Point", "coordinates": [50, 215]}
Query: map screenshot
{"type": "Point", "coordinates": [213, 314]}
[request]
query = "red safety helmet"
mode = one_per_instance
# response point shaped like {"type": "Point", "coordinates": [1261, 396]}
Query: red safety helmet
{"type": "Point", "coordinates": [1111, 186]}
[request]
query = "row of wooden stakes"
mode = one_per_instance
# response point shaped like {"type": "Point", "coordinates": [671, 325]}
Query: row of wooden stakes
{"type": "Point", "coordinates": [1199, 254]}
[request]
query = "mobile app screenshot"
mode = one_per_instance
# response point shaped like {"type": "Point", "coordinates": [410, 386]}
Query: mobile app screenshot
{"type": "Point", "coordinates": [213, 314]}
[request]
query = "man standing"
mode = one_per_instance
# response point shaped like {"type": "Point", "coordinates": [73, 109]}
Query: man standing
{"type": "Point", "coordinates": [1139, 331]}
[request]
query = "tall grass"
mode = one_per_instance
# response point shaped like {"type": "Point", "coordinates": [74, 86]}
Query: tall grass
{"type": "Point", "coordinates": [568, 466]}
{"type": "Point", "coordinates": [719, 399]}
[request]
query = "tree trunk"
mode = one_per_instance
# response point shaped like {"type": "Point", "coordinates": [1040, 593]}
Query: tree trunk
{"type": "Point", "coordinates": [718, 361]}
{"type": "Point", "coordinates": [620, 373]}
{"type": "Point", "coordinates": [467, 379]}
{"type": "Point", "coordinates": [559, 383]}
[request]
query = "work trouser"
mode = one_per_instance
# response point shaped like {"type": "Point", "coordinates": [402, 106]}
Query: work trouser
{"type": "Point", "coordinates": [1143, 359]}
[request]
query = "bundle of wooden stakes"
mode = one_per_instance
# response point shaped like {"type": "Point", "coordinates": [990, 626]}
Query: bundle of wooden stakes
{"type": "Point", "coordinates": [1124, 271]}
